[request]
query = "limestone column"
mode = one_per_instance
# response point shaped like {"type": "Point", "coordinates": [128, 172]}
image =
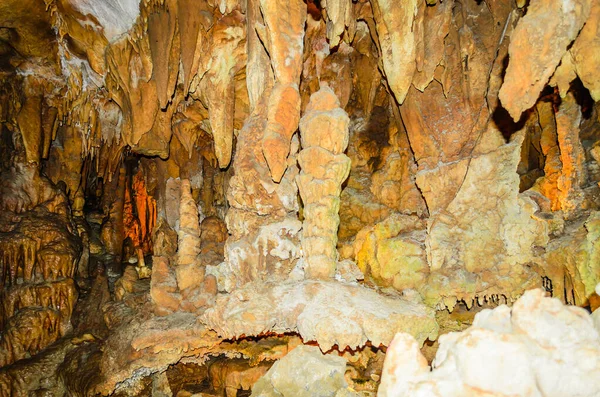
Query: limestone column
{"type": "Point", "coordinates": [189, 272]}
{"type": "Point", "coordinates": [262, 221]}
{"type": "Point", "coordinates": [324, 167]}
{"type": "Point", "coordinates": [112, 230]}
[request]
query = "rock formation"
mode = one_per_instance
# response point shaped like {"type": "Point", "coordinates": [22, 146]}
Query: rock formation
{"type": "Point", "coordinates": [539, 347]}
{"type": "Point", "coordinates": [192, 189]}
{"type": "Point", "coordinates": [318, 375]}
{"type": "Point", "coordinates": [40, 253]}
{"type": "Point", "coordinates": [324, 167]}
{"type": "Point", "coordinates": [563, 23]}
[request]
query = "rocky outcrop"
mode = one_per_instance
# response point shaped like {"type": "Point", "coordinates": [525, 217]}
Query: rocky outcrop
{"type": "Point", "coordinates": [304, 372]}
{"type": "Point", "coordinates": [539, 347]}
{"type": "Point", "coordinates": [359, 315]}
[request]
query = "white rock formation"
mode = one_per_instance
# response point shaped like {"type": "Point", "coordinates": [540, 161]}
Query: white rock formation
{"type": "Point", "coordinates": [330, 313]}
{"type": "Point", "coordinates": [115, 16]}
{"type": "Point", "coordinates": [539, 348]}
{"type": "Point", "coordinates": [304, 372]}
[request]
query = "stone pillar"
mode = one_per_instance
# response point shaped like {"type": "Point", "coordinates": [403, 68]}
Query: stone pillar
{"type": "Point", "coordinates": [112, 230]}
{"type": "Point", "coordinates": [572, 155]}
{"type": "Point", "coordinates": [324, 167]}
{"type": "Point", "coordinates": [262, 220]}
{"type": "Point", "coordinates": [189, 272]}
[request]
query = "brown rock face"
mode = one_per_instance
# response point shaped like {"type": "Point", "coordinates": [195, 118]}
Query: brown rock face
{"type": "Point", "coordinates": [40, 253]}
{"type": "Point", "coordinates": [397, 40]}
{"type": "Point", "coordinates": [537, 51]}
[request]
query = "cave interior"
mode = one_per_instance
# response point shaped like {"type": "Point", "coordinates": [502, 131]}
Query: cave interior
{"type": "Point", "coordinates": [283, 198]}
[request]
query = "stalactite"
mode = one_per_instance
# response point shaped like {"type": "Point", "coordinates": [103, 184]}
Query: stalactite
{"type": "Point", "coordinates": [284, 37]}
{"type": "Point", "coordinates": [37, 266]}
{"type": "Point", "coordinates": [526, 78]}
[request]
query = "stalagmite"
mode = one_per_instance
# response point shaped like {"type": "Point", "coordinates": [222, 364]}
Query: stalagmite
{"type": "Point", "coordinates": [572, 154]}
{"type": "Point", "coordinates": [190, 273]}
{"type": "Point", "coordinates": [262, 222]}
{"type": "Point", "coordinates": [324, 167]}
{"type": "Point", "coordinates": [163, 283]}
{"type": "Point", "coordinates": [548, 184]}
{"type": "Point", "coordinates": [112, 230]}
